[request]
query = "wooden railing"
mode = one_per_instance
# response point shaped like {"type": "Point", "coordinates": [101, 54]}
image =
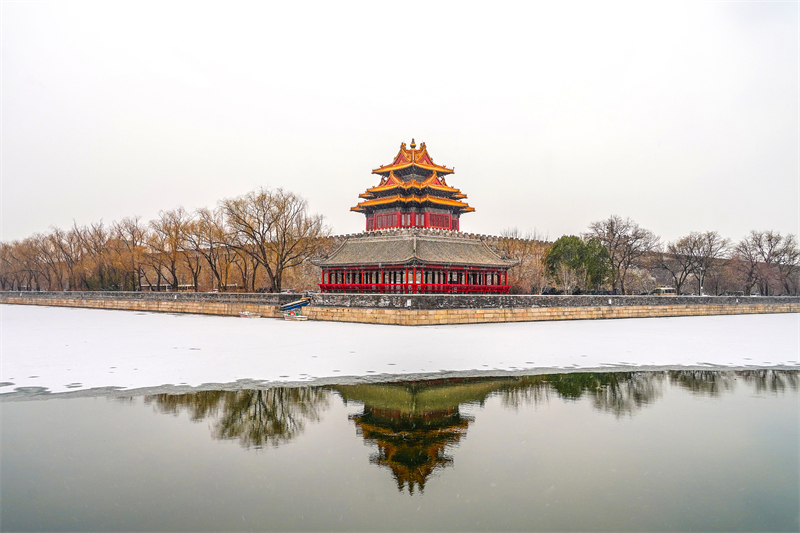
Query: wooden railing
{"type": "Point", "coordinates": [414, 288]}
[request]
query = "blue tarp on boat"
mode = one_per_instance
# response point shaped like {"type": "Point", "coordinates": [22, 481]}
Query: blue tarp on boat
{"type": "Point", "coordinates": [296, 304]}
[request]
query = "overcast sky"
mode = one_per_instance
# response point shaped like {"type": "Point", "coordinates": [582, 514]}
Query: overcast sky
{"type": "Point", "coordinates": [682, 116]}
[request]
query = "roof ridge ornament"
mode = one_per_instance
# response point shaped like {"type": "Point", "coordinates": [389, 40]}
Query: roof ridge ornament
{"type": "Point", "coordinates": [413, 144]}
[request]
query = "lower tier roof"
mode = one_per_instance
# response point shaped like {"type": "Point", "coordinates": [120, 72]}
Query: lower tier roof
{"type": "Point", "coordinates": [418, 200]}
{"type": "Point", "coordinates": [414, 246]}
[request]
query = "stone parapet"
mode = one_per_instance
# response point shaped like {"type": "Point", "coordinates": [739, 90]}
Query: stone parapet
{"type": "Point", "coordinates": [416, 310]}
{"type": "Point", "coordinates": [520, 301]}
{"type": "Point", "coordinates": [142, 296]}
{"type": "Point", "coordinates": [199, 307]}
{"type": "Point", "coordinates": [420, 317]}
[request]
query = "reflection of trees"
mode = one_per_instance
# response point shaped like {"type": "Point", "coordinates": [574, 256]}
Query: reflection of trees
{"type": "Point", "coordinates": [713, 383]}
{"type": "Point", "coordinates": [255, 417]}
{"type": "Point", "coordinates": [414, 425]}
{"type": "Point", "coordinates": [703, 382]}
{"type": "Point", "coordinates": [272, 416]}
{"type": "Point", "coordinates": [773, 381]}
{"type": "Point", "coordinates": [528, 390]}
{"type": "Point", "coordinates": [625, 393]}
{"type": "Point", "coordinates": [618, 393]}
{"type": "Point", "coordinates": [199, 405]}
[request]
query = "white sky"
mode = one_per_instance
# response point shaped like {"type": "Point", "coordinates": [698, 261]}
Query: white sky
{"type": "Point", "coordinates": [683, 116]}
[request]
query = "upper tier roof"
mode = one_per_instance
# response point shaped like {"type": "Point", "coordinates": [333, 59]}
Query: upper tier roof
{"type": "Point", "coordinates": [412, 157]}
{"type": "Point", "coordinates": [392, 182]}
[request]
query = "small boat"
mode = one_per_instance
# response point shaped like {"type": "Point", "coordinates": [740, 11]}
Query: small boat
{"type": "Point", "coordinates": [294, 315]}
{"type": "Point", "coordinates": [292, 306]}
{"type": "Point", "coordinates": [248, 314]}
{"type": "Point", "coordinates": [291, 311]}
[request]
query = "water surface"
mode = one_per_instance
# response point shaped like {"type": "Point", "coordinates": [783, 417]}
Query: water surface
{"type": "Point", "coordinates": [635, 451]}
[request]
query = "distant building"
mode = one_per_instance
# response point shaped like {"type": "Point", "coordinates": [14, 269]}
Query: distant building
{"type": "Point", "coordinates": [412, 243]}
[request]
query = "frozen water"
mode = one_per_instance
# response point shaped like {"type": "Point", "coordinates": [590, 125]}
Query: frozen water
{"type": "Point", "coordinates": [66, 349]}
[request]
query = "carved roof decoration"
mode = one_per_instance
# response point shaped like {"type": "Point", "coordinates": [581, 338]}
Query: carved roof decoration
{"type": "Point", "coordinates": [392, 183]}
{"type": "Point", "coordinates": [412, 157]}
{"type": "Point", "coordinates": [413, 188]}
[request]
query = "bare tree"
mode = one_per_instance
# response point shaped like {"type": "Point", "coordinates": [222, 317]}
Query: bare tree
{"type": "Point", "coordinates": [709, 251]}
{"type": "Point", "coordinates": [7, 275]}
{"type": "Point", "coordinates": [51, 266]}
{"type": "Point", "coordinates": [97, 272]}
{"type": "Point", "coordinates": [25, 265]}
{"type": "Point", "coordinates": [274, 228]}
{"type": "Point", "coordinates": [132, 234]}
{"type": "Point", "coordinates": [166, 243]}
{"type": "Point", "coordinates": [206, 236]}
{"type": "Point", "coordinates": [641, 280]}
{"type": "Point", "coordinates": [768, 260]}
{"type": "Point", "coordinates": [529, 250]}
{"type": "Point", "coordinates": [567, 277]}
{"type": "Point", "coordinates": [70, 251]}
{"type": "Point", "coordinates": [246, 266]}
{"type": "Point", "coordinates": [788, 265]}
{"type": "Point", "coordinates": [627, 244]}
{"type": "Point", "coordinates": [697, 254]}
{"type": "Point", "coordinates": [677, 261]}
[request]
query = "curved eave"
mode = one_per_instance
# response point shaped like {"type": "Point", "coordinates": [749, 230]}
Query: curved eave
{"type": "Point", "coordinates": [404, 248]}
{"type": "Point", "coordinates": [410, 185]}
{"type": "Point", "coordinates": [417, 200]}
{"type": "Point", "coordinates": [447, 188]}
{"type": "Point", "coordinates": [391, 168]}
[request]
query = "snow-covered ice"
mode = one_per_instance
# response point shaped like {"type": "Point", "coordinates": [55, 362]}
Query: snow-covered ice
{"type": "Point", "coordinates": [65, 349]}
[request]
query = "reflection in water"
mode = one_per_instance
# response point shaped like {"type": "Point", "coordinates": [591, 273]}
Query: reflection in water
{"type": "Point", "coordinates": [255, 417]}
{"type": "Point", "coordinates": [618, 393]}
{"type": "Point", "coordinates": [704, 382]}
{"type": "Point", "coordinates": [771, 381]}
{"type": "Point", "coordinates": [713, 384]}
{"type": "Point", "coordinates": [414, 425]}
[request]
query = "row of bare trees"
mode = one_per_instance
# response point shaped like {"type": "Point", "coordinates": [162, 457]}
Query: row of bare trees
{"type": "Point", "coordinates": [247, 242]}
{"type": "Point", "coordinates": [764, 262]}
{"type": "Point", "coordinates": [265, 238]}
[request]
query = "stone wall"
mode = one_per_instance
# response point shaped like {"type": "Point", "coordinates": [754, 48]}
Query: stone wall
{"type": "Point", "coordinates": [511, 301]}
{"type": "Point", "coordinates": [411, 310]}
{"type": "Point", "coordinates": [210, 304]}
{"type": "Point", "coordinates": [419, 317]}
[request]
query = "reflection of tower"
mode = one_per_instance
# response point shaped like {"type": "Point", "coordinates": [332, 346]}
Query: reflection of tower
{"type": "Point", "coordinates": [412, 446]}
{"type": "Point", "coordinates": [414, 424]}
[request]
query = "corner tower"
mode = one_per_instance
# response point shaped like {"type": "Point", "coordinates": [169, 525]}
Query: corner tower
{"type": "Point", "coordinates": [413, 244]}
{"type": "Point", "coordinates": [412, 193]}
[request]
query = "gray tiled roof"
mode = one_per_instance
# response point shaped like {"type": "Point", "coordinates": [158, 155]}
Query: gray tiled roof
{"type": "Point", "coordinates": [398, 247]}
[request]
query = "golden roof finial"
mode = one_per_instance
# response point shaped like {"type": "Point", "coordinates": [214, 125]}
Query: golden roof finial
{"type": "Point", "coordinates": [413, 144]}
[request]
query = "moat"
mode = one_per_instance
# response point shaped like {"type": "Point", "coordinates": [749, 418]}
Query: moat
{"type": "Point", "coordinates": [637, 451]}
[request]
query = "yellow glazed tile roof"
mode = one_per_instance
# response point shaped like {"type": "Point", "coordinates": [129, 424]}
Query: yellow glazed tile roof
{"type": "Point", "coordinates": [413, 200]}
{"type": "Point", "coordinates": [412, 157]}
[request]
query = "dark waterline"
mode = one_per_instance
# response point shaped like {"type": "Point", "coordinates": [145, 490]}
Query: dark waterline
{"type": "Point", "coordinates": [640, 451]}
